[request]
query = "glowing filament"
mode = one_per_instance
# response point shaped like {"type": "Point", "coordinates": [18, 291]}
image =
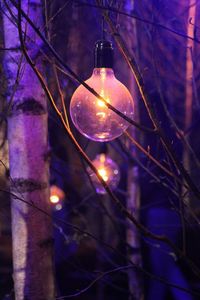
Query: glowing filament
{"type": "Point", "coordinates": [91, 115]}
{"type": "Point", "coordinates": [102, 172]}
{"type": "Point", "coordinates": [100, 103]}
{"type": "Point", "coordinates": [107, 169]}
{"type": "Point", "coordinates": [101, 114]}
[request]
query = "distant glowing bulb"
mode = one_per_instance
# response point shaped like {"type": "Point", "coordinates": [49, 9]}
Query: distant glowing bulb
{"type": "Point", "coordinates": [108, 170]}
{"type": "Point", "coordinates": [90, 115]}
{"type": "Point", "coordinates": [54, 199]}
{"type": "Point", "coordinates": [56, 194]}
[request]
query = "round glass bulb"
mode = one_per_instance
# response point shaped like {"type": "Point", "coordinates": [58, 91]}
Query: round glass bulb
{"type": "Point", "coordinates": [91, 116]}
{"type": "Point", "coordinates": [108, 170]}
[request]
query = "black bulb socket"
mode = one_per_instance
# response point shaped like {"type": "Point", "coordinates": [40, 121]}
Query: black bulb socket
{"type": "Point", "coordinates": [103, 54]}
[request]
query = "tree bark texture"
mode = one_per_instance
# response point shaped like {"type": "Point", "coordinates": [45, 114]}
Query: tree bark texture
{"type": "Point", "coordinates": [189, 84]}
{"type": "Point", "coordinates": [128, 30]}
{"type": "Point", "coordinates": [169, 64]}
{"type": "Point", "coordinates": [29, 177]}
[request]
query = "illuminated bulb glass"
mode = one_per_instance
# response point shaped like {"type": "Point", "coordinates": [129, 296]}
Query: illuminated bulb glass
{"type": "Point", "coordinates": [56, 194]}
{"type": "Point", "coordinates": [108, 170]}
{"type": "Point", "coordinates": [91, 116]}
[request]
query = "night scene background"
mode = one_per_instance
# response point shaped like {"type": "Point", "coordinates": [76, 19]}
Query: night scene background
{"type": "Point", "coordinates": [64, 233]}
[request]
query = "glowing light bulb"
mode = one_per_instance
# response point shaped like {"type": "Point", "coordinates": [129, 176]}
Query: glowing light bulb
{"type": "Point", "coordinates": [56, 194]}
{"type": "Point", "coordinates": [108, 170]}
{"type": "Point", "coordinates": [90, 115]}
{"type": "Point", "coordinates": [54, 199]}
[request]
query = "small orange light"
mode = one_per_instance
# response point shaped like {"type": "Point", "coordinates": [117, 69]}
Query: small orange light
{"type": "Point", "coordinates": [54, 199]}
{"type": "Point", "coordinates": [108, 170]}
{"type": "Point", "coordinates": [56, 194]}
{"type": "Point", "coordinates": [102, 172]}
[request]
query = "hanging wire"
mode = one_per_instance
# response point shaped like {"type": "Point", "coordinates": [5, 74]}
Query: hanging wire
{"type": "Point", "coordinates": [104, 148]}
{"type": "Point", "coordinates": [103, 24]}
{"type": "Point", "coordinates": [103, 29]}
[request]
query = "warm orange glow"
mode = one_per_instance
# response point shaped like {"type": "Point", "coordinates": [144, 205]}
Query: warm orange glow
{"type": "Point", "coordinates": [101, 114]}
{"type": "Point", "coordinates": [100, 103]}
{"type": "Point", "coordinates": [107, 170]}
{"type": "Point", "coordinates": [103, 110]}
{"type": "Point", "coordinates": [102, 158]}
{"type": "Point", "coordinates": [102, 172]}
{"type": "Point", "coordinates": [56, 194]}
{"type": "Point", "coordinates": [54, 199]}
{"type": "Point", "coordinates": [91, 115]}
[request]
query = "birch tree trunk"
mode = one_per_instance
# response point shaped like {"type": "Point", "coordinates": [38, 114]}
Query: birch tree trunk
{"type": "Point", "coordinates": [27, 138]}
{"type": "Point", "coordinates": [128, 30]}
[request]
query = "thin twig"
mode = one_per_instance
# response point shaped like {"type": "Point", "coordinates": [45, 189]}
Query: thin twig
{"type": "Point", "coordinates": [139, 268]}
{"type": "Point", "coordinates": [136, 17]}
{"type": "Point", "coordinates": [75, 76]}
{"type": "Point", "coordinates": [123, 268]}
{"type": "Point", "coordinates": [117, 202]}
{"type": "Point", "coordinates": [140, 83]}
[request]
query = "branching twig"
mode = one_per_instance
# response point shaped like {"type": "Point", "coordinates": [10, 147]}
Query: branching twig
{"type": "Point", "coordinates": [75, 76]}
{"type": "Point", "coordinates": [136, 17]}
{"type": "Point", "coordinates": [117, 202]}
{"type": "Point", "coordinates": [123, 268]}
{"type": "Point", "coordinates": [139, 268]}
{"type": "Point", "coordinates": [140, 83]}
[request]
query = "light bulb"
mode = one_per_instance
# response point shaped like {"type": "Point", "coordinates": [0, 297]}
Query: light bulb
{"type": "Point", "coordinates": [108, 170]}
{"type": "Point", "coordinates": [56, 194]}
{"type": "Point", "coordinates": [89, 114]}
{"type": "Point", "coordinates": [54, 199]}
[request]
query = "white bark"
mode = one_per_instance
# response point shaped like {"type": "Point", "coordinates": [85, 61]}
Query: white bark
{"type": "Point", "coordinates": [27, 138]}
